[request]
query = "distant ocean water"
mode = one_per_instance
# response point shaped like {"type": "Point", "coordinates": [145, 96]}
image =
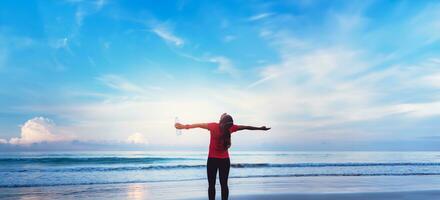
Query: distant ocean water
{"type": "Point", "coordinates": [30, 169]}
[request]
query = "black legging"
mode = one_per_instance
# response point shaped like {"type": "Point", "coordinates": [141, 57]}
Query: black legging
{"type": "Point", "coordinates": [223, 165]}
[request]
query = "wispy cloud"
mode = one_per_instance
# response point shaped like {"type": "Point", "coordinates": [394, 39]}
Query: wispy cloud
{"type": "Point", "coordinates": [260, 16]}
{"type": "Point", "coordinates": [79, 17]}
{"type": "Point", "coordinates": [121, 84]}
{"type": "Point", "coordinates": [10, 43]}
{"type": "Point", "coordinates": [420, 110]}
{"type": "Point", "coordinates": [83, 10]}
{"type": "Point", "coordinates": [149, 118]}
{"type": "Point", "coordinates": [427, 24]}
{"type": "Point", "coordinates": [62, 43]}
{"type": "Point", "coordinates": [137, 138]}
{"type": "Point", "coordinates": [166, 34]}
{"type": "Point", "coordinates": [100, 4]}
{"type": "Point", "coordinates": [339, 83]}
{"type": "Point", "coordinates": [224, 65]}
{"type": "Point", "coordinates": [229, 38]}
{"type": "Point", "coordinates": [265, 78]}
{"type": "Point", "coordinates": [432, 80]}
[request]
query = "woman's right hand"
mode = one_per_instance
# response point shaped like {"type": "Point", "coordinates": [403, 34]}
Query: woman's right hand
{"type": "Point", "coordinates": [264, 128]}
{"type": "Point", "coordinates": [179, 126]}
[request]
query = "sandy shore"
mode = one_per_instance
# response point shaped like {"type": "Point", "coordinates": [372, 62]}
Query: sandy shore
{"type": "Point", "coordinates": [307, 188]}
{"type": "Point", "coordinates": [413, 195]}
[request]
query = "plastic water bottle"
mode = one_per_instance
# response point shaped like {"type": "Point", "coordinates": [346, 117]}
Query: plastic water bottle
{"type": "Point", "coordinates": [178, 131]}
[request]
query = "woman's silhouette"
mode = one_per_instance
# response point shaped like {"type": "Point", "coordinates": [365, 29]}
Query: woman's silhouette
{"type": "Point", "coordinates": [218, 157]}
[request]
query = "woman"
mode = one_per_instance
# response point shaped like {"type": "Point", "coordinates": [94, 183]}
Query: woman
{"type": "Point", "coordinates": [218, 157]}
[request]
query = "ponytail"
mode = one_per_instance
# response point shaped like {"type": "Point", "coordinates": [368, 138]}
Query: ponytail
{"type": "Point", "coordinates": [226, 136]}
{"type": "Point", "coordinates": [226, 122]}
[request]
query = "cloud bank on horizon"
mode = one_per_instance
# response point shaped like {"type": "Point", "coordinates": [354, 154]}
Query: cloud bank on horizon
{"type": "Point", "coordinates": [324, 75]}
{"type": "Point", "coordinates": [39, 129]}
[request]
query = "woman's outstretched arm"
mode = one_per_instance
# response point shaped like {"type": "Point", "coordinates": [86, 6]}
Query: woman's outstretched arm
{"type": "Point", "coordinates": [242, 127]}
{"type": "Point", "coordinates": [189, 126]}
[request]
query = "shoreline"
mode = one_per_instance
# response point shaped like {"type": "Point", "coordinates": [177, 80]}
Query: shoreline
{"type": "Point", "coordinates": [230, 178]}
{"type": "Point", "coordinates": [406, 195]}
{"type": "Point", "coordinates": [312, 188]}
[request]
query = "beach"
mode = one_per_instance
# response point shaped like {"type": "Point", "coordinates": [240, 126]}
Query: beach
{"type": "Point", "coordinates": [307, 188]}
{"type": "Point", "coordinates": [253, 175]}
{"type": "Point", "coordinates": [284, 99]}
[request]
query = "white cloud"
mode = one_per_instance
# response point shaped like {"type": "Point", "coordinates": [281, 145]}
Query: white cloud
{"type": "Point", "coordinates": [39, 129]}
{"type": "Point", "coordinates": [79, 17]}
{"type": "Point", "coordinates": [345, 23]}
{"type": "Point", "coordinates": [106, 45]}
{"type": "Point", "coordinates": [432, 80]}
{"type": "Point", "coordinates": [3, 141]}
{"type": "Point", "coordinates": [84, 9]}
{"type": "Point", "coordinates": [327, 86]}
{"type": "Point", "coordinates": [137, 138]}
{"type": "Point", "coordinates": [265, 78]}
{"type": "Point", "coordinates": [61, 43]}
{"type": "Point", "coordinates": [427, 23]}
{"type": "Point", "coordinates": [429, 109]}
{"type": "Point", "coordinates": [112, 118]}
{"type": "Point", "coordinates": [100, 4]}
{"type": "Point", "coordinates": [165, 33]}
{"type": "Point", "coordinates": [314, 66]}
{"type": "Point", "coordinates": [119, 83]}
{"type": "Point", "coordinates": [224, 65]}
{"type": "Point", "coordinates": [229, 38]}
{"type": "Point", "coordinates": [265, 33]}
{"type": "Point", "coordinates": [259, 16]}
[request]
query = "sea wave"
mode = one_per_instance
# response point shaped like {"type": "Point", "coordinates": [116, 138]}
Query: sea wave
{"type": "Point", "coordinates": [348, 164]}
{"type": "Point", "coordinates": [196, 166]}
{"type": "Point", "coordinates": [88, 160]}
{"type": "Point", "coordinates": [238, 177]}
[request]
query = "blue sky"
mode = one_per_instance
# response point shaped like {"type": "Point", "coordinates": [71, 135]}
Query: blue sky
{"type": "Point", "coordinates": [323, 74]}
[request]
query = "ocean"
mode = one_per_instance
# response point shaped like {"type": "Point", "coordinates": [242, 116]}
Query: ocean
{"type": "Point", "coordinates": [34, 169]}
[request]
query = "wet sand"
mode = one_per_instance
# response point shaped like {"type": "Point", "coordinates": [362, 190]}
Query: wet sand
{"type": "Point", "coordinates": [307, 188]}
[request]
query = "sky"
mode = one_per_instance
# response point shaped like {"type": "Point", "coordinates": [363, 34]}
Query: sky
{"type": "Point", "coordinates": [325, 75]}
